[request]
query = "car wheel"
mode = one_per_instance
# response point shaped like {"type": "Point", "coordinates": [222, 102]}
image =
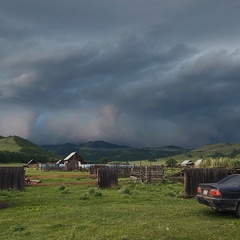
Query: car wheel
{"type": "Point", "coordinates": [238, 210]}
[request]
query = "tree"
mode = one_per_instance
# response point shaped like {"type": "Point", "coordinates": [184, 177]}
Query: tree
{"type": "Point", "coordinates": [171, 162]}
{"type": "Point", "coordinates": [104, 160]}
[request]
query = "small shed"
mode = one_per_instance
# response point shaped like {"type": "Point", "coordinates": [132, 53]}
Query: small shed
{"type": "Point", "coordinates": [73, 161]}
{"type": "Point", "coordinates": [187, 163]}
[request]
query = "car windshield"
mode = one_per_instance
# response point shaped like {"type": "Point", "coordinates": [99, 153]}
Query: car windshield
{"type": "Point", "coordinates": [231, 180]}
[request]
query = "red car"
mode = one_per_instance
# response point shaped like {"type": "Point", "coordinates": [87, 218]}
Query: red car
{"type": "Point", "coordinates": [223, 195]}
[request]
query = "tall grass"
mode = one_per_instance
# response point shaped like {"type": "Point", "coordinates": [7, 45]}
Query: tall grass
{"type": "Point", "coordinates": [222, 162]}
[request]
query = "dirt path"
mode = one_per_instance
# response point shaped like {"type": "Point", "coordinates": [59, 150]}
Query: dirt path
{"type": "Point", "coordinates": [62, 176]}
{"type": "Point", "coordinates": [61, 183]}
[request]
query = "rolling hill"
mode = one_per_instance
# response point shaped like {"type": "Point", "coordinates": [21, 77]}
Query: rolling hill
{"type": "Point", "coordinates": [15, 149]}
{"type": "Point", "coordinates": [228, 150]}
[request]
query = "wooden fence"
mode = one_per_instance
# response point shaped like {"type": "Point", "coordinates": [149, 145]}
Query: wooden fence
{"type": "Point", "coordinates": [107, 177]}
{"type": "Point", "coordinates": [123, 171]}
{"type": "Point", "coordinates": [94, 168]}
{"type": "Point", "coordinates": [194, 176]}
{"type": "Point", "coordinates": [149, 174]}
{"type": "Point", "coordinates": [12, 178]}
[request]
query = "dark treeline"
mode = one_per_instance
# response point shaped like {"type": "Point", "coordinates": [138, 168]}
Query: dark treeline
{"type": "Point", "coordinates": [24, 157]}
{"type": "Point", "coordinates": [19, 157]}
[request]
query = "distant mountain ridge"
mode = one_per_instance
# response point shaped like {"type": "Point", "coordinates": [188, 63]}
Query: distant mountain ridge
{"type": "Point", "coordinates": [15, 149]}
{"type": "Point", "coordinates": [100, 144]}
{"type": "Point", "coordinates": [95, 150]}
{"type": "Point", "coordinates": [64, 149]}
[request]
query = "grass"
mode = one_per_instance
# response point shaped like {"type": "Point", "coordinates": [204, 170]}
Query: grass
{"type": "Point", "coordinates": [129, 211]}
{"type": "Point", "coordinates": [9, 144]}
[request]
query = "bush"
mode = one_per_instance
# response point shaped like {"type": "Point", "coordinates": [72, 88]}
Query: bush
{"type": "Point", "coordinates": [171, 162]}
{"type": "Point", "coordinates": [125, 190]}
{"type": "Point", "coordinates": [61, 188]}
{"type": "Point", "coordinates": [98, 194]}
{"type": "Point", "coordinates": [94, 192]}
{"type": "Point", "coordinates": [84, 197]}
{"type": "Point", "coordinates": [91, 191]}
{"type": "Point", "coordinates": [65, 191]}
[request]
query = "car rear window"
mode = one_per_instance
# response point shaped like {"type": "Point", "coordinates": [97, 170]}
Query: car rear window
{"type": "Point", "coordinates": [231, 180]}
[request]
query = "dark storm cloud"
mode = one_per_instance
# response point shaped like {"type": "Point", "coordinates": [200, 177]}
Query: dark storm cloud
{"type": "Point", "coordinates": [143, 73]}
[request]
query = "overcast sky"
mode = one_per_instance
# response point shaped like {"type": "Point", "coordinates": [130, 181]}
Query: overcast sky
{"type": "Point", "coordinates": [133, 72]}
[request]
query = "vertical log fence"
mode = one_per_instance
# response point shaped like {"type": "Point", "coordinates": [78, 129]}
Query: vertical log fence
{"type": "Point", "coordinates": [194, 176]}
{"type": "Point", "coordinates": [12, 178]}
{"type": "Point", "coordinates": [107, 177]}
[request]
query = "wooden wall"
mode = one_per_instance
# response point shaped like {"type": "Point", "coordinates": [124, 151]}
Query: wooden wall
{"type": "Point", "coordinates": [194, 176]}
{"type": "Point", "coordinates": [12, 178]}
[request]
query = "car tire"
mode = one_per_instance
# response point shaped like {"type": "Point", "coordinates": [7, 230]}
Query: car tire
{"type": "Point", "coordinates": [238, 210]}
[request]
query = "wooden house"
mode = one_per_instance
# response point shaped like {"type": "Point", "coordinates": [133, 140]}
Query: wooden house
{"type": "Point", "coordinates": [73, 161]}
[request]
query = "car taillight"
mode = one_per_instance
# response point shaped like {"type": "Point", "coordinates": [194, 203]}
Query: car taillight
{"type": "Point", "coordinates": [199, 190]}
{"type": "Point", "coordinates": [214, 192]}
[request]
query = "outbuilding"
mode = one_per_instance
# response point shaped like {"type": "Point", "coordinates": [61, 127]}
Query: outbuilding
{"type": "Point", "coordinates": [73, 161]}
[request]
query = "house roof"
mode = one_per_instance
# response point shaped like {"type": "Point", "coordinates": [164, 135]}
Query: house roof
{"type": "Point", "coordinates": [74, 156]}
{"type": "Point", "coordinates": [187, 162]}
{"type": "Point", "coordinates": [32, 161]}
{"type": "Point", "coordinates": [69, 156]}
{"type": "Point", "coordinates": [59, 161]}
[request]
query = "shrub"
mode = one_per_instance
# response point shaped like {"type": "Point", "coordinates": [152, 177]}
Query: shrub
{"type": "Point", "coordinates": [65, 191]}
{"type": "Point", "coordinates": [84, 197]}
{"type": "Point", "coordinates": [125, 190]}
{"type": "Point", "coordinates": [98, 194]}
{"type": "Point", "coordinates": [91, 191]}
{"type": "Point", "coordinates": [94, 192]}
{"type": "Point", "coordinates": [61, 188]}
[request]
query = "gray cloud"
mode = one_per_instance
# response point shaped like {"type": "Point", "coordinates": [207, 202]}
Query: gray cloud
{"type": "Point", "coordinates": [131, 72]}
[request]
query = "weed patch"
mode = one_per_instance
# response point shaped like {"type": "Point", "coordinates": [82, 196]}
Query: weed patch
{"type": "Point", "coordinates": [94, 192]}
{"type": "Point", "coordinates": [125, 190]}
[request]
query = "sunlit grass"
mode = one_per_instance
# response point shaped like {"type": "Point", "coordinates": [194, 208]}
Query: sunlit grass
{"type": "Point", "coordinates": [9, 144]}
{"type": "Point", "coordinates": [222, 162]}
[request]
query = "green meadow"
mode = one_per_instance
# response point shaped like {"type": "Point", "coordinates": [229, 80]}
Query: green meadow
{"type": "Point", "coordinates": [131, 210]}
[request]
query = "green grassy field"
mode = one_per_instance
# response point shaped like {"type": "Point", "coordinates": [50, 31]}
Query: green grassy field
{"type": "Point", "coordinates": [8, 144]}
{"type": "Point", "coordinates": [129, 211]}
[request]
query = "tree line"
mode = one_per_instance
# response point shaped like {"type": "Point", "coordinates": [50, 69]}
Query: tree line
{"type": "Point", "coordinates": [21, 157]}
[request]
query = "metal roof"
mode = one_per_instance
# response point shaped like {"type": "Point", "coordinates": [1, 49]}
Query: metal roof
{"type": "Point", "coordinates": [187, 162]}
{"type": "Point", "coordinates": [69, 156]}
